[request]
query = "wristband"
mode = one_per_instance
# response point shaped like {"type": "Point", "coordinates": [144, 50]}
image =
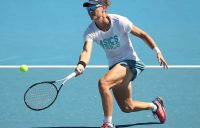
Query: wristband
{"type": "Point", "coordinates": [82, 63]}
{"type": "Point", "coordinates": [156, 50]}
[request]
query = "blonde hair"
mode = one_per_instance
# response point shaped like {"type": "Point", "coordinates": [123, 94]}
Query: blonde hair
{"type": "Point", "coordinates": [107, 3]}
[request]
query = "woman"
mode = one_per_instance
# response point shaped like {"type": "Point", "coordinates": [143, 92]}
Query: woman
{"type": "Point", "coordinates": [111, 32]}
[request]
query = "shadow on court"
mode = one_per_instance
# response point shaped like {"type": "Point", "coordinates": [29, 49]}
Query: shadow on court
{"type": "Point", "coordinates": [117, 126]}
{"type": "Point", "coordinates": [136, 124]}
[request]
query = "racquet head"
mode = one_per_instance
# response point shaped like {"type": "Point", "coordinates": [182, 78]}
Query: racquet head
{"type": "Point", "coordinates": [41, 95]}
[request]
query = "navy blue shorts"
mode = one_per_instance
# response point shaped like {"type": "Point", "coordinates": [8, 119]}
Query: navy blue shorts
{"type": "Point", "coordinates": [136, 66]}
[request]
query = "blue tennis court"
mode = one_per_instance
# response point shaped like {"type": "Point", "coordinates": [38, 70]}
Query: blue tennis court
{"type": "Point", "coordinates": [75, 107]}
{"type": "Point", "coordinates": [48, 32]}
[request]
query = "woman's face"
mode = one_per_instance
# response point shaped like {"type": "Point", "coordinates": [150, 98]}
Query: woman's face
{"type": "Point", "coordinates": [95, 11]}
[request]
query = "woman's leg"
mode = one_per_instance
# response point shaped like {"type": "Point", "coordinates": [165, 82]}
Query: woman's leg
{"type": "Point", "coordinates": [115, 77]}
{"type": "Point", "coordinates": [123, 96]}
{"type": "Point", "coordinates": [118, 79]}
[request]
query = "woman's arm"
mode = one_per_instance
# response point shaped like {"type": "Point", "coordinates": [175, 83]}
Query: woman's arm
{"type": "Point", "coordinates": [150, 42]}
{"type": "Point", "coordinates": [84, 57]}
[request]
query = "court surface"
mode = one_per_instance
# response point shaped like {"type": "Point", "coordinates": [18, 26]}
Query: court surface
{"type": "Point", "coordinates": [47, 32]}
{"type": "Point", "coordinates": [79, 104]}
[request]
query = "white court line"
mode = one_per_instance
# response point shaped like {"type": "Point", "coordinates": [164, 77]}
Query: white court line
{"type": "Point", "coordinates": [95, 66]}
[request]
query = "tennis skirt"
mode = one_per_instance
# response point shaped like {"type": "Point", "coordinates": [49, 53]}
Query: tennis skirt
{"type": "Point", "coordinates": [136, 66]}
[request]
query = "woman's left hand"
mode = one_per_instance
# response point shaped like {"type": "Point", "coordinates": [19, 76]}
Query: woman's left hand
{"type": "Point", "coordinates": [162, 61]}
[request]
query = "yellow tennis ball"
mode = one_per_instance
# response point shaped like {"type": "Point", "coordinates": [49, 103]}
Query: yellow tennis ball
{"type": "Point", "coordinates": [23, 68]}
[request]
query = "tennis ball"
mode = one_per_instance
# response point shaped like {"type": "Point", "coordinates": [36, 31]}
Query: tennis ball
{"type": "Point", "coordinates": [23, 68]}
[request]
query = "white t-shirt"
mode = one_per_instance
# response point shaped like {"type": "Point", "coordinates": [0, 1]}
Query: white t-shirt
{"type": "Point", "coordinates": [115, 41]}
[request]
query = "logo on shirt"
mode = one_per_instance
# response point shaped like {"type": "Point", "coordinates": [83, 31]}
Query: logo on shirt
{"type": "Point", "coordinates": [110, 43]}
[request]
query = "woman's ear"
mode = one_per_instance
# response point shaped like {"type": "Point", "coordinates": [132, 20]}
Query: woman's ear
{"type": "Point", "coordinates": [104, 7]}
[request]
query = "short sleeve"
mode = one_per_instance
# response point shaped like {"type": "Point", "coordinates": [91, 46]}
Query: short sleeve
{"type": "Point", "coordinates": [88, 35]}
{"type": "Point", "coordinates": [126, 24]}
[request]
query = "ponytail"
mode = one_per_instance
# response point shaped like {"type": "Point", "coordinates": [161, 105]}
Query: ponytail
{"type": "Point", "coordinates": [107, 3]}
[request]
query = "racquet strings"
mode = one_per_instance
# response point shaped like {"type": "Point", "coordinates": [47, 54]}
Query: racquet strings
{"type": "Point", "coordinates": [41, 96]}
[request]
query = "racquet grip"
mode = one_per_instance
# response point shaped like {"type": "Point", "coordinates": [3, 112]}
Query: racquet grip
{"type": "Point", "coordinates": [71, 75]}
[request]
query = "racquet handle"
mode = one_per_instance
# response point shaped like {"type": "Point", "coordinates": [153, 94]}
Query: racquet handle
{"type": "Point", "coordinates": [68, 77]}
{"type": "Point", "coordinates": [71, 75]}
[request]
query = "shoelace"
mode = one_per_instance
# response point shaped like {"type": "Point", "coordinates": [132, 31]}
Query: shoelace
{"type": "Point", "coordinates": [105, 125]}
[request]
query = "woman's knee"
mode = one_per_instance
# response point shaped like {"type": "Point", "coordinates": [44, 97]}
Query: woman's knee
{"type": "Point", "coordinates": [103, 85]}
{"type": "Point", "coordinates": [127, 107]}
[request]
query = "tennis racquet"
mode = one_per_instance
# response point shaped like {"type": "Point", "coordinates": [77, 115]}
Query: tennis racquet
{"type": "Point", "coordinates": [42, 95]}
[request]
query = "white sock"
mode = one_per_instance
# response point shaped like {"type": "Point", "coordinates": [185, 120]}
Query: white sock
{"type": "Point", "coordinates": [108, 119]}
{"type": "Point", "coordinates": [154, 107]}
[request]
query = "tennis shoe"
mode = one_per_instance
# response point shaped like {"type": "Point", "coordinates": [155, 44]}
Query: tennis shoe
{"type": "Point", "coordinates": [107, 125]}
{"type": "Point", "coordinates": [160, 112]}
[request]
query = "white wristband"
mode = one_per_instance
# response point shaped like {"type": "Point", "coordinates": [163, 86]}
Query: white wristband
{"type": "Point", "coordinates": [156, 50]}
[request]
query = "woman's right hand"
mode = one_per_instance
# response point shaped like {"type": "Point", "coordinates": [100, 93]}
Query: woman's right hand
{"type": "Point", "coordinates": [79, 69]}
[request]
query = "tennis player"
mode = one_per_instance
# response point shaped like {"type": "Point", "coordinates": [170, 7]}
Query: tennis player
{"type": "Point", "coordinates": [111, 32]}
